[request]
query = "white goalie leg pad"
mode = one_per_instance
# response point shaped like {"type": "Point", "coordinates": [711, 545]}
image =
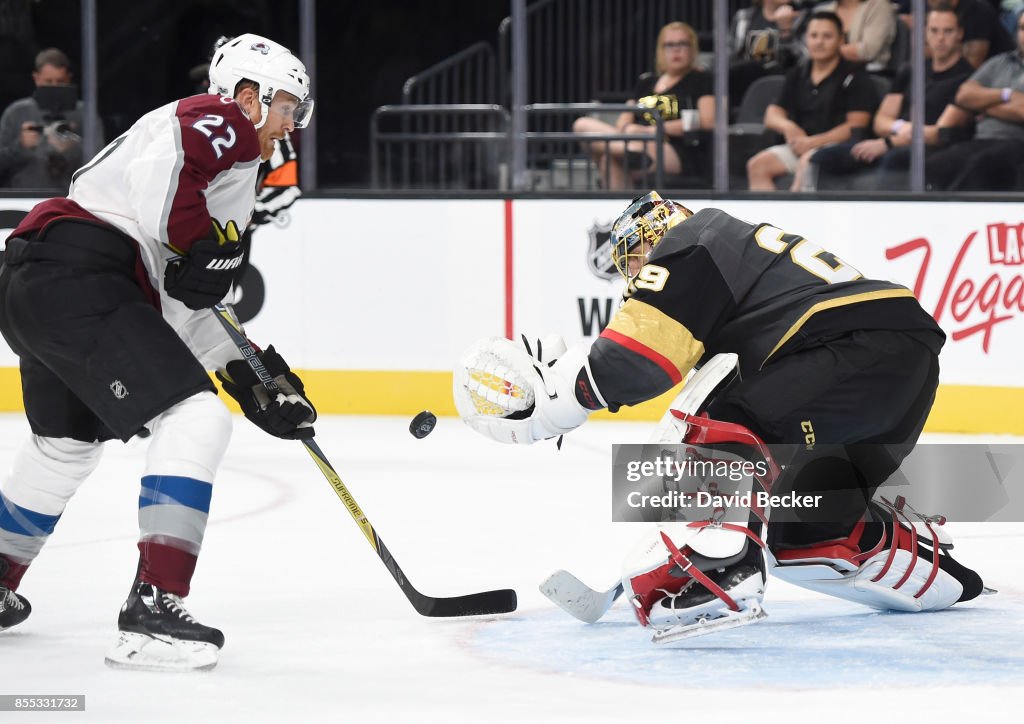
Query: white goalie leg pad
{"type": "Point", "coordinates": [701, 385]}
{"type": "Point", "coordinates": [860, 585]}
{"type": "Point", "coordinates": [893, 575]}
{"type": "Point", "coordinates": [887, 580]}
{"type": "Point", "coordinates": [506, 393]}
{"type": "Point", "coordinates": [160, 653]}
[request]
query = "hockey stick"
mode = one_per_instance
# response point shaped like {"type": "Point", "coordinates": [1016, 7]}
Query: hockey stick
{"type": "Point", "coordinates": [577, 598]}
{"type": "Point", "coordinates": [502, 601]}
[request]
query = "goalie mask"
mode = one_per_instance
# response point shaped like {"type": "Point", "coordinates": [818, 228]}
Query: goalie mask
{"type": "Point", "coordinates": [639, 229]}
{"type": "Point", "coordinates": [268, 64]}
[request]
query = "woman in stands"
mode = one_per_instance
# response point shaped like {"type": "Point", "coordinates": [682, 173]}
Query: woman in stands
{"type": "Point", "coordinates": [684, 98]}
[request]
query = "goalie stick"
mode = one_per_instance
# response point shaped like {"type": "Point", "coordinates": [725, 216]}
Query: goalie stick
{"type": "Point", "coordinates": [577, 598]}
{"type": "Point", "coordinates": [473, 604]}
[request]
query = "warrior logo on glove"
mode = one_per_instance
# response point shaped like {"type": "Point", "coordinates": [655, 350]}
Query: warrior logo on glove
{"type": "Point", "coordinates": [202, 276]}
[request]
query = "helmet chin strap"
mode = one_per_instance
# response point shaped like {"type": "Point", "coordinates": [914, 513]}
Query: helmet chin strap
{"type": "Point", "coordinates": [263, 116]}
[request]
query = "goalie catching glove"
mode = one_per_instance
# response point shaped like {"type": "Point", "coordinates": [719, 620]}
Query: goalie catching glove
{"type": "Point", "coordinates": [520, 393]}
{"type": "Point", "coordinates": [288, 415]}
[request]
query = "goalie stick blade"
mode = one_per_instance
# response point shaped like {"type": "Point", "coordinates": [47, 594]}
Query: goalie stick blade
{"type": "Point", "coordinates": [473, 604]}
{"type": "Point", "coordinates": [577, 598]}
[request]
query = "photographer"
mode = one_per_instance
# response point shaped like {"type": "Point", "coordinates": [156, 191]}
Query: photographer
{"type": "Point", "coordinates": [40, 136]}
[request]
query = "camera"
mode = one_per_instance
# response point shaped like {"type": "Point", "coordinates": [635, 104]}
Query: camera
{"type": "Point", "coordinates": [55, 101]}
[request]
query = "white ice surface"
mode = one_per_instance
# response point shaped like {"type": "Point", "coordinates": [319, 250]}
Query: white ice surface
{"type": "Point", "coordinates": [318, 631]}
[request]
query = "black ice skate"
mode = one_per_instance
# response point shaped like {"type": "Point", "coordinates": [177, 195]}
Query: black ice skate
{"type": "Point", "coordinates": [13, 608]}
{"type": "Point", "coordinates": [158, 633]}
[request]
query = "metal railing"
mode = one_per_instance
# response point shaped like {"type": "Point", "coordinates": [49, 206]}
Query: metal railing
{"type": "Point", "coordinates": [467, 147]}
{"type": "Point", "coordinates": [445, 147]}
{"type": "Point", "coordinates": [583, 50]}
{"type": "Point", "coordinates": [466, 77]}
{"type": "Point", "coordinates": [561, 159]}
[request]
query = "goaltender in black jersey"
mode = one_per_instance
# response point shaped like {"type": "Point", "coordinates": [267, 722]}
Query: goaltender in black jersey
{"type": "Point", "coordinates": [718, 284]}
{"type": "Point", "coordinates": [825, 356]}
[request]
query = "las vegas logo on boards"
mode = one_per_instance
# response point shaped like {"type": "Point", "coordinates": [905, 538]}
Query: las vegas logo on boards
{"type": "Point", "coordinates": [971, 298]}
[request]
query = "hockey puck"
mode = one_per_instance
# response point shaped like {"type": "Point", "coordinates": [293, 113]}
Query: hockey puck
{"type": "Point", "coordinates": [423, 424]}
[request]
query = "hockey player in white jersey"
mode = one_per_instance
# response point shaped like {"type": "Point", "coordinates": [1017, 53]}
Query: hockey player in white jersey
{"type": "Point", "coordinates": [105, 296]}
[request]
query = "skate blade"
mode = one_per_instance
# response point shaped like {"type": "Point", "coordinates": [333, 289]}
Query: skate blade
{"type": "Point", "coordinates": [703, 627]}
{"type": "Point", "coordinates": [140, 652]}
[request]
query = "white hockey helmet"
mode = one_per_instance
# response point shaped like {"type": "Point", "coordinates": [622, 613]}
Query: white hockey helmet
{"type": "Point", "coordinates": [271, 65]}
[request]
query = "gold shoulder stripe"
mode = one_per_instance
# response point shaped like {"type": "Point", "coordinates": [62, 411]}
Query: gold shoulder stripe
{"type": "Point", "coordinates": [832, 304]}
{"type": "Point", "coordinates": [654, 329]}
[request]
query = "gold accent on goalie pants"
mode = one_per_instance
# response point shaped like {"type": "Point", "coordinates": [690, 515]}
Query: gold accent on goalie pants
{"type": "Point", "coordinates": [832, 304]}
{"type": "Point", "coordinates": [656, 330]}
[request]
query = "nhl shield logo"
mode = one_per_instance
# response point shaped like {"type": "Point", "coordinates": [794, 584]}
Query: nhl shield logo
{"type": "Point", "coordinates": [119, 390]}
{"type": "Point", "coordinates": [599, 253]}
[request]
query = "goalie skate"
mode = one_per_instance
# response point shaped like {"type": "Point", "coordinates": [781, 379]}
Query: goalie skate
{"type": "Point", "coordinates": [696, 611]}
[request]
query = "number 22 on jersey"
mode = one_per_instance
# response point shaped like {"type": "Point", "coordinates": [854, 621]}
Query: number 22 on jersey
{"type": "Point", "coordinates": [211, 123]}
{"type": "Point", "coordinates": [811, 257]}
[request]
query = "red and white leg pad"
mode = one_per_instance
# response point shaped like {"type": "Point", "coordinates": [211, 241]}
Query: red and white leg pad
{"type": "Point", "coordinates": [893, 575]}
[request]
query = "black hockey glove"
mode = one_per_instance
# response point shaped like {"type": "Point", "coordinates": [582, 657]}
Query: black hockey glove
{"type": "Point", "coordinates": [289, 415]}
{"type": "Point", "coordinates": [202, 277]}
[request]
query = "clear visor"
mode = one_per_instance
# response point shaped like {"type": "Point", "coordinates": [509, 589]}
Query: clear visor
{"type": "Point", "coordinates": [298, 112]}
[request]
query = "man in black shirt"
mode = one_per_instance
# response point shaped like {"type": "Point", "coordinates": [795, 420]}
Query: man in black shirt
{"type": "Point", "coordinates": [891, 150]}
{"type": "Point", "coordinates": [984, 35]}
{"type": "Point", "coordinates": [991, 161]}
{"type": "Point", "coordinates": [820, 103]}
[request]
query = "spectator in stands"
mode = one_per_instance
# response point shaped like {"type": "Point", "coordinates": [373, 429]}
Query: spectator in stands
{"type": "Point", "coordinates": [682, 94]}
{"type": "Point", "coordinates": [869, 28]}
{"type": "Point", "coordinates": [984, 35]}
{"type": "Point", "coordinates": [992, 160]}
{"type": "Point", "coordinates": [821, 102]}
{"type": "Point", "coordinates": [890, 152]}
{"type": "Point", "coordinates": [1009, 11]}
{"type": "Point", "coordinates": [40, 147]}
{"type": "Point", "coordinates": [762, 42]}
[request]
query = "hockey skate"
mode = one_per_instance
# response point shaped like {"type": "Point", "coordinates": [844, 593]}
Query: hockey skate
{"type": "Point", "coordinates": [713, 582]}
{"type": "Point", "coordinates": [13, 608]}
{"type": "Point", "coordinates": [157, 633]}
{"type": "Point", "coordinates": [730, 598]}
